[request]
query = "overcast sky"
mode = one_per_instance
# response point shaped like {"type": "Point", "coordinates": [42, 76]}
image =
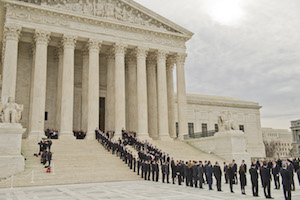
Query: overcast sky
{"type": "Point", "coordinates": [247, 49]}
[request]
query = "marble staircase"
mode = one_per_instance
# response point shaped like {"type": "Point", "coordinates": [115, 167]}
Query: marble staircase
{"type": "Point", "coordinates": [180, 150]}
{"type": "Point", "coordinates": [86, 161]}
{"type": "Point", "coordinates": [74, 161]}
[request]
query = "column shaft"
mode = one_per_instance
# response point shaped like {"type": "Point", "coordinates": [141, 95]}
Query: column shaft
{"type": "Point", "coordinates": [11, 41]}
{"type": "Point", "coordinates": [163, 125]}
{"type": "Point", "coordinates": [181, 96]}
{"type": "Point", "coordinates": [59, 85]}
{"type": "Point", "coordinates": [110, 93]}
{"type": "Point", "coordinates": [67, 98]}
{"type": "Point", "coordinates": [131, 92]}
{"type": "Point", "coordinates": [142, 109]}
{"type": "Point", "coordinates": [120, 117]}
{"type": "Point", "coordinates": [152, 96]}
{"type": "Point", "coordinates": [170, 88]}
{"type": "Point", "coordinates": [93, 88]}
{"type": "Point", "coordinates": [84, 91]}
{"type": "Point", "coordinates": [37, 108]}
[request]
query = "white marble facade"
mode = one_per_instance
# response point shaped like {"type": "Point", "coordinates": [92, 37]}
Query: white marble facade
{"type": "Point", "coordinates": [205, 109]}
{"type": "Point", "coordinates": [60, 58]}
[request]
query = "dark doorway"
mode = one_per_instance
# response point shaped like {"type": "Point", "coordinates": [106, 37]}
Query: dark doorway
{"type": "Point", "coordinates": [102, 114]}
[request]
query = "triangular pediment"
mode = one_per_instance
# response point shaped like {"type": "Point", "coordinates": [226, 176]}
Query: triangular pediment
{"type": "Point", "coordinates": [125, 11]}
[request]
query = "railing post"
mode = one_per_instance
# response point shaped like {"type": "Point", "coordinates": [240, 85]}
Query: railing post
{"type": "Point", "coordinates": [12, 182]}
{"type": "Point", "coordinates": [32, 176]}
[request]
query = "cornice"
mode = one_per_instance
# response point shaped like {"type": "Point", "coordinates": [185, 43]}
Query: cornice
{"type": "Point", "coordinates": [95, 20]}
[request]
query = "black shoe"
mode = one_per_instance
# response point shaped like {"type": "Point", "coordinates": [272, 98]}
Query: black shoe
{"type": "Point", "coordinates": [232, 191]}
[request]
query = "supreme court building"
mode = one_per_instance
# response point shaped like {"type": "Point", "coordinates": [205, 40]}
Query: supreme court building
{"type": "Point", "coordinates": [87, 64]}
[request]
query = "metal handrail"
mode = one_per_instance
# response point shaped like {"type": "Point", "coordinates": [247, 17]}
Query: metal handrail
{"type": "Point", "coordinates": [199, 135]}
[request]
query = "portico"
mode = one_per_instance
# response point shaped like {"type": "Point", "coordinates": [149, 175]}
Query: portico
{"type": "Point", "coordinates": [74, 54]}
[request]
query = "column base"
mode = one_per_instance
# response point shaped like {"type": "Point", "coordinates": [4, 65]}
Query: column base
{"type": "Point", "coordinates": [165, 138]}
{"type": "Point", "coordinates": [66, 135]}
{"type": "Point", "coordinates": [38, 135]}
{"type": "Point", "coordinates": [90, 136]}
{"type": "Point", "coordinates": [144, 137]}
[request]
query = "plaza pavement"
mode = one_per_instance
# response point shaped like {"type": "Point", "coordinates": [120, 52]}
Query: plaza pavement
{"type": "Point", "coordinates": [139, 190]}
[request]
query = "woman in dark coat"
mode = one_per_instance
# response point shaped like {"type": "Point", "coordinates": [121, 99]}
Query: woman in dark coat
{"type": "Point", "coordinates": [242, 178]}
{"type": "Point", "coordinates": [230, 173]}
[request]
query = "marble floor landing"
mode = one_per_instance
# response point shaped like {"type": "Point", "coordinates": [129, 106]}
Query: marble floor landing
{"type": "Point", "coordinates": [132, 190]}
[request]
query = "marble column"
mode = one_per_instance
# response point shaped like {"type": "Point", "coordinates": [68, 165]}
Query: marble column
{"type": "Point", "coordinates": [120, 116]}
{"type": "Point", "coordinates": [131, 91]}
{"type": "Point", "coordinates": [38, 88]}
{"type": "Point", "coordinates": [12, 34]}
{"type": "Point", "coordinates": [110, 92]}
{"type": "Point", "coordinates": [181, 96]}
{"type": "Point", "coordinates": [84, 89]}
{"type": "Point", "coordinates": [67, 97]}
{"type": "Point", "coordinates": [152, 96]}
{"type": "Point", "coordinates": [60, 56]}
{"type": "Point", "coordinates": [142, 109]}
{"type": "Point", "coordinates": [93, 88]}
{"type": "Point", "coordinates": [163, 124]}
{"type": "Point", "coordinates": [170, 89]}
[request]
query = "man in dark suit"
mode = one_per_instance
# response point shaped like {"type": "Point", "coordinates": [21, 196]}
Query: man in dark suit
{"type": "Point", "coordinates": [275, 173]}
{"type": "Point", "coordinates": [186, 173]}
{"type": "Point", "coordinates": [218, 174]}
{"type": "Point", "coordinates": [200, 174]}
{"type": "Point", "coordinates": [157, 171]}
{"type": "Point", "coordinates": [153, 170]}
{"type": "Point", "coordinates": [138, 166]}
{"type": "Point", "coordinates": [286, 182]}
{"type": "Point", "coordinates": [225, 169]}
{"type": "Point", "coordinates": [209, 172]}
{"type": "Point", "coordinates": [167, 171]}
{"type": "Point", "coordinates": [266, 177]}
{"type": "Point", "coordinates": [195, 173]}
{"type": "Point", "coordinates": [173, 168]}
{"type": "Point", "coordinates": [254, 179]}
{"type": "Point", "coordinates": [245, 167]}
{"type": "Point", "coordinates": [290, 168]}
{"type": "Point", "coordinates": [234, 167]}
{"type": "Point", "coordinates": [163, 171]}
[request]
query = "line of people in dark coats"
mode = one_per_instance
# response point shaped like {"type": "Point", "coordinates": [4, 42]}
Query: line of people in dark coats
{"type": "Point", "coordinates": [80, 135]}
{"type": "Point", "coordinates": [45, 152]}
{"type": "Point", "coordinates": [152, 162]}
{"type": "Point", "coordinates": [51, 133]}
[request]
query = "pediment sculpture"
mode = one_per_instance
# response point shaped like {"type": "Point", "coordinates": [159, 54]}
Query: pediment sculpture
{"type": "Point", "coordinates": [109, 9]}
{"type": "Point", "coordinates": [225, 122]}
{"type": "Point", "coordinates": [11, 112]}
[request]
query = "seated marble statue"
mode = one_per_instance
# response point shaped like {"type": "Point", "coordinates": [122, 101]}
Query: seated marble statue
{"type": "Point", "coordinates": [225, 123]}
{"type": "Point", "coordinates": [11, 112]}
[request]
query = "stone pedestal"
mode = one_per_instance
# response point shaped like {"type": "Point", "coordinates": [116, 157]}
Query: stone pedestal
{"type": "Point", "coordinates": [228, 145]}
{"type": "Point", "coordinates": [11, 161]}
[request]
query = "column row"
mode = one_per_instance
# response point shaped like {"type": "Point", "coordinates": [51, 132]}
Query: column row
{"type": "Point", "coordinates": [151, 78]}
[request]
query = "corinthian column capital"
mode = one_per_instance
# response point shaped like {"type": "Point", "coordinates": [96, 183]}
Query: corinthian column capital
{"type": "Point", "coordinates": [110, 54]}
{"type": "Point", "coordinates": [69, 41]}
{"type": "Point", "coordinates": [161, 54]}
{"type": "Point", "coordinates": [170, 62]}
{"type": "Point", "coordinates": [12, 31]}
{"type": "Point", "coordinates": [180, 58]}
{"type": "Point", "coordinates": [42, 36]}
{"type": "Point", "coordinates": [131, 57]}
{"type": "Point", "coordinates": [141, 51]}
{"type": "Point", "coordinates": [151, 59]}
{"type": "Point", "coordinates": [94, 44]}
{"type": "Point", "coordinates": [120, 48]}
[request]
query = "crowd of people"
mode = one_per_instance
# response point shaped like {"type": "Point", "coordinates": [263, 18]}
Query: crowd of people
{"type": "Point", "coordinates": [152, 162]}
{"type": "Point", "coordinates": [51, 133]}
{"type": "Point", "coordinates": [45, 152]}
{"type": "Point", "coordinates": [80, 135]}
